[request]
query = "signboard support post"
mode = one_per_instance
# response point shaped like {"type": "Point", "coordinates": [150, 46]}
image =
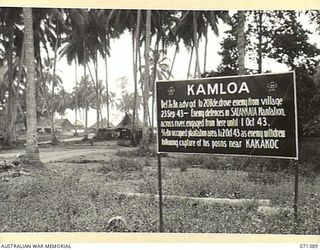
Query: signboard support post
{"type": "Point", "coordinates": [160, 194]}
{"type": "Point", "coordinates": [296, 194]}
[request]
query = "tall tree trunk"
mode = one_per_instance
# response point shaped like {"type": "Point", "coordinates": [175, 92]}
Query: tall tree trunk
{"type": "Point", "coordinates": [145, 130]}
{"type": "Point", "coordinates": [97, 93]}
{"type": "Point", "coordinates": [85, 90]}
{"type": "Point", "coordinates": [19, 81]}
{"type": "Point", "coordinates": [197, 72]}
{"type": "Point", "coordinates": [13, 125]}
{"type": "Point", "coordinates": [140, 62]}
{"type": "Point", "coordinates": [11, 115]}
{"type": "Point", "coordinates": [76, 97]}
{"type": "Point", "coordinates": [174, 59]}
{"type": "Point", "coordinates": [190, 61]}
{"type": "Point", "coordinates": [101, 117]}
{"type": "Point", "coordinates": [32, 150]}
{"type": "Point", "coordinates": [149, 120]}
{"type": "Point", "coordinates": [196, 43]}
{"type": "Point", "coordinates": [241, 42]}
{"type": "Point", "coordinates": [154, 78]}
{"type": "Point", "coordinates": [54, 139]}
{"type": "Point", "coordinates": [205, 48]}
{"type": "Point", "coordinates": [135, 77]}
{"type": "Point", "coordinates": [260, 42]}
{"type": "Point", "coordinates": [90, 74]}
{"type": "Point", "coordinates": [134, 67]}
{"type": "Point", "coordinates": [41, 87]}
{"type": "Point", "coordinates": [107, 86]}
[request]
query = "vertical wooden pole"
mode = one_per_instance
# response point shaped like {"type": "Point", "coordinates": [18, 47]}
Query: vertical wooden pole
{"type": "Point", "coordinates": [296, 195]}
{"type": "Point", "coordinates": [160, 194]}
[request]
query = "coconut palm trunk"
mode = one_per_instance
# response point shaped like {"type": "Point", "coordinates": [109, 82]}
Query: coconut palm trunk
{"type": "Point", "coordinates": [32, 150]}
{"type": "Point", "coordinates": [260, 13]}
{"type": "Point", "coordinates": [54, 139]}
{"type": "Point", "coordinates": [241, 42]}
{"type": "Point", "coordinates": [97, 94]}
{"type": "Point", "coordinates": [174, 59]}
{"type": "Point", "coordinates": [190, 61]}
{"type": "Point", "coordinates": [205, 48]}
{"type": "Point", "coordinates": [107, 86]}
{"type": "Point", "coordinates": [196, 43]}
{"type": "Point", "coordinates": [18, 101]}
{"type": "Point", "coordinates": [11, 121]}
{"type": "Point", "coordinates": [145, 131]}
{"type": "Point", "coordinates": [156, 58]}
{"type": "Point", "coordinates": [42, 85]}
{"type": "Point", "coordinates": [76, 97]}
{"type": "Point", "coordinates": [135, 75]}
{"type": "Point", "coordinates": [85, 90]}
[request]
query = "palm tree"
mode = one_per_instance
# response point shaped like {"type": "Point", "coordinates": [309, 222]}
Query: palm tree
{"type": "Point", "coordinates": [48, 28]}
{"type": "Point", "coordinates": [196, 43]}
{"type": "Point", "coordinates": [258, 16]}
{"type": "Point", "coordinates": [205, 48]}
{"type": "Point", "coordinates": [62, 101]}
{"type": "Point", "coordinates": [84, 94]}
{"type": "Point", "coordinates": [159, 64]}
{"type": "Point", "coordinates": [106, 32]}
{"type": "Point", "coordinates": [119, 21]}
{"type": "Point", "coordinates": [125, 102]}
{"type": "Point", "coordinates": [76, 95]}
{"type": "Point", "coordinates": [76, 43]}
{"type": "Point", "coordinates": [134, 21]}
{"type": "Point", "coordinates": [192, 25]}
{"type": "Point", "coordinates": [83, 39]}
{"type": "Point", "coordinates": [136, 42]}
{"type": "Point", "coordinates": [174, 57]}
{"type": "Point", "coordinates": [241, 41]}
{"type": "Point", "coordinates": [32, 150]}
{"type": "Point", "coordinates": [98, 91]}
{"type": "Point", "coordinates": [145, 132]}
{"type": "Point", "coordinates": [159, 70]}
{"type": "Point", "coordinates": [48, 78]}
{"type": "Point", "coordinates": [12, 39]}
{"type": "Point", "coordinates": [56, 15]}
{"type": "Point", "coordinates": [97, 44]}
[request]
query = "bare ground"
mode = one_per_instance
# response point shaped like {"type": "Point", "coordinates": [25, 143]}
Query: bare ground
{"type": "Point", "coordinates": [62, 152]}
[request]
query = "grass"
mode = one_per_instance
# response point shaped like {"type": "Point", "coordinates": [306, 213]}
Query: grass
{"type": "Point", "coordinates": [81, 196]}
{"type": "Point", "coordinates": [73, 202]}
{"type": "Point", "coordinates": [65, 204]}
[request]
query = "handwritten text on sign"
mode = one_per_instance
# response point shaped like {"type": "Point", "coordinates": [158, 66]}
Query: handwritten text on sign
{"type": "Point", "coordinates": [246, 115]}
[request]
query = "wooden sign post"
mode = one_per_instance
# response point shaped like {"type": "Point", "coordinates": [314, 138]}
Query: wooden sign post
{"type": "Point", "coordinates": [160, 194]}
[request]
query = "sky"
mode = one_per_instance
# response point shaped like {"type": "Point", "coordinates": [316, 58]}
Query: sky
{"type": "Point", "coordinates": [120, 65]}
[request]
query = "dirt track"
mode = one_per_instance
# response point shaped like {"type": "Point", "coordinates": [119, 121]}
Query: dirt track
{"type": "Point", "coordinates": [67, 152]}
